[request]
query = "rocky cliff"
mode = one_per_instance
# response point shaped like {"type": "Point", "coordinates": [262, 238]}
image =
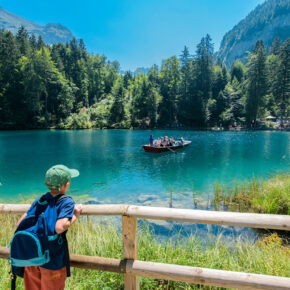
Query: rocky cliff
{"type": "Point", "coordinates": [51, 32]}
{"type": "Point", "coordinates": [267, 21]}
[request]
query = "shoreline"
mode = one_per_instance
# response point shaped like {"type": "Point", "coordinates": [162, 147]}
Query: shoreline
{"type": "Point", "coordinates": [223, 198]}
{"type": "Point", "coordinates": [145, 129]}
{"type": "Point", "coordinates": [268, 254]}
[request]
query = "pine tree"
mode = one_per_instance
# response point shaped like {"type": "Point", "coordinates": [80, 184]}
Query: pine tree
{"type": "Point", "coordinates": [275, 46]}
{"type": "Point", "coordinates": [169, 90]}
{"type": "Point", "coordinates": [186, 75]}
{"type": "Point", "coordinates": [11, 98]}
{"type": "Point", "coordinates": [283, 76]}
{"type": "Point", "coordinates": [40, 42]}
{"type": "Point", "coordinates": [237, 71]}
{"type": "Point", "coordinates": [204, 76]}
{"type": "Point", "coordinates": [256, 82]}
{"type": "Point", "coordinates": [96, 78]}
{"type": "Point", "coordinates": [22, 40]}
{"type": "Point", "coordinates": [117, 113]}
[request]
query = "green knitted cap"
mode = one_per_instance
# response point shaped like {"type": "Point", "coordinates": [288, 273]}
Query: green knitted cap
{"type": "Point", "coordinates": [59, 175]}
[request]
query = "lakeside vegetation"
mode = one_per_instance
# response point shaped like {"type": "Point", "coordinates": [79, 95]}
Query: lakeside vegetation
{"type": "Point", "coordinates": [267, 196]}
{"type": "Point", "coordinates": [63, 86]}
{"type": "Point", "coordinates": [269, 255]}
{"type": "Point", "coordinates": [87, 237]}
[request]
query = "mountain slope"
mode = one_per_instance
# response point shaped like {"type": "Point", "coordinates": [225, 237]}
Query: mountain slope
{"type": "Point", "coordinates": [51, 32]}
{"type": "Point", "coordinates": [267, 21]}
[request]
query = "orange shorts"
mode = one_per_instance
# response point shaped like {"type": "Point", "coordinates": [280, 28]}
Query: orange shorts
{"type": "Point", "coordinates": [38, 278]}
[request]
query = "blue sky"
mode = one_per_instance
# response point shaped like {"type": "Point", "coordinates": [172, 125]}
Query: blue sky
{"type": "Point", "coordinates": [138, 33]}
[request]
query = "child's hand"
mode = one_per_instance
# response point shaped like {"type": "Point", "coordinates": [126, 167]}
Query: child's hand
{"type": "Point", "coordinates": [78, 209]}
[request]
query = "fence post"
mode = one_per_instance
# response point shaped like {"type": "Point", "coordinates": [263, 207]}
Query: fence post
{"type": "Point", "coordinates": [130, 249]}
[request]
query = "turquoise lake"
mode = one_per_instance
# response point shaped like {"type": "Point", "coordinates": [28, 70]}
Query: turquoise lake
{"type": "Point", "coordinates": [115, 169]}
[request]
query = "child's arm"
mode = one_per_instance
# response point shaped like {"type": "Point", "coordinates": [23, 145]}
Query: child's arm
{"type": "Point", "coordinates": [63, 224]}
{"type": "Point", "coordinates": [20, 220]}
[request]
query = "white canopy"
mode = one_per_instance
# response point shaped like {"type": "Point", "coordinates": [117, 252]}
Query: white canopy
{"type": "Point", "coordinates": [270, 117]}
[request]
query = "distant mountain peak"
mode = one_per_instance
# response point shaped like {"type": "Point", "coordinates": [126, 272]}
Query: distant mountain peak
{"type": "Point", "coordinates": [267, 21]}
{"type": "Point", "coordinates": [51, 32]}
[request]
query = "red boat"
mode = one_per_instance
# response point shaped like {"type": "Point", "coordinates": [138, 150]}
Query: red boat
{"type": "Point", "coordinates": [153, 149]}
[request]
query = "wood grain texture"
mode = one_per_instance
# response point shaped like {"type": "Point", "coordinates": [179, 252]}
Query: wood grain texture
{"type": "Point", "coordinates": [130, 249]}
{"type": "Point", "coordinates": [210, 277]}
{"type": "Point", "coordinates": [252, 220]}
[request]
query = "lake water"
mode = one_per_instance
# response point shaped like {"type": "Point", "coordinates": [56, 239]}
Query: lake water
{"type": "Point", "coordinates": [115, 169]}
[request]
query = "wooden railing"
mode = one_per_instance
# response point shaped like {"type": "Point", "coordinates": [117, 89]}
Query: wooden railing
{"type": "Point", "coordinates": [131, 267]}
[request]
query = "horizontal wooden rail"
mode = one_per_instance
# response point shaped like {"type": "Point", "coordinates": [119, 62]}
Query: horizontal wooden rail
{"type": "Point", "coordinates": [252, 220]}
{"type": "Point", "coordinates": [188, 274]}
{"type": "Point", "coordinates": [132, 268]}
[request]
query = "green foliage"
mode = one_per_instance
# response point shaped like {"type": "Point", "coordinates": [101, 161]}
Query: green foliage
{"type": "Point", "coordinates": [145, 96]}
{"type": "Point", "coordinates": [169, 90]}
{"type": "Point", "coordinates": [63, 86]}
{"type": "Point", "coordinates": [238, 71]}
{"type": "Point", "coordinates": [256, 82]}
{"type": "Point", "coordinates": [103, 239]}
{"type": "Point", "coordinates": [271, 196]}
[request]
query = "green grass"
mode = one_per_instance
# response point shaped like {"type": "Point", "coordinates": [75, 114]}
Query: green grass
{"type": "Point", "coordinates": [87, 237]}
{"type": "Point", "coordinates": [271, 196]}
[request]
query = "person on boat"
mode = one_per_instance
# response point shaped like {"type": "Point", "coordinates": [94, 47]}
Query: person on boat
{"type": "Point", "coordinates": [163, 142]}
{"type": "Point", "coordinates": [151, 140]}
{"type": "Point", "coordinates": [171, 141]}
{"type": "Point", "coordinates": [166, 140]}
{"type": "Point", "coordinates": [180, 141]}
{"type": "Point", "coordinates": [156, 142]}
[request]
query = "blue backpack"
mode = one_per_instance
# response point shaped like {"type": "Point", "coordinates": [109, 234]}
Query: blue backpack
{"type": "Point", "coordinates": [34, 237]}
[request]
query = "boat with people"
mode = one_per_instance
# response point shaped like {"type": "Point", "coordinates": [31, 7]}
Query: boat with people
{"type": "Point", "coordinates": [164, 144]}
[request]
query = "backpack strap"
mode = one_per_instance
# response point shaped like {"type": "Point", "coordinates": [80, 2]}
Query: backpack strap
{"type": "Point", "coordinates": [13, 281]}
{"type": "Point", "coordinates": [43, 202]}
{"type": "Point", "coordinates": [66, 254]}
{"type": "Point", "coordinates": [41, 205]}
{"type": "Point", "coordinates": [66, 250]}
{"type": "Point", "coordinates": [63, 235]}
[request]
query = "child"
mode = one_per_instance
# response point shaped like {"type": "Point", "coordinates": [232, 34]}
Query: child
{"type": "Point", "coordinates": [52, 275]}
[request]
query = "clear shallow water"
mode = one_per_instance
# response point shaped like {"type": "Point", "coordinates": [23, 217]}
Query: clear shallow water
{"type": "Point", "coordinates": [115, 169]}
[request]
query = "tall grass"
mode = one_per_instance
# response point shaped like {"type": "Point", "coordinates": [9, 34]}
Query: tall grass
{"type": "Point", "coordinates": [88, 237]}
{"type": "Point", "coordinates": [271, 196]}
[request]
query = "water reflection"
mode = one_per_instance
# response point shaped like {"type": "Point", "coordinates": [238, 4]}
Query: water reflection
{"type": "Point", "coordinates": [115, 169]}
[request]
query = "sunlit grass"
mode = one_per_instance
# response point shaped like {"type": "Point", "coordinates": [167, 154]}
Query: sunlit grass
{"type": "Point", "coordinates": [88, 237]}
{"type": "Point", "coordinates": [271, 196]}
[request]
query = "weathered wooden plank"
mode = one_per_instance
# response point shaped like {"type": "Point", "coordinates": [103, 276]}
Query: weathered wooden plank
{"type": "Point", "coordinates": [187, 274]}
{"type": "Point", "coordinates": [264, 221]}
{"type": "Point", "coordinates": [105, 209]}
{"type": "Point", "coordinates": [100, 209]}
{"type": "Point", "coordinates": [130, 249]}
{"type": "Point", "coordinates": [208, 277]}
{"type": "Point", "coordinates": [98, 263]}
{"type": "Point", "coordinates": [4, 253]}
{"type": "Point", "coordinates": [252, 220]}
{"type": "Point", "coordinates": [13, 208]}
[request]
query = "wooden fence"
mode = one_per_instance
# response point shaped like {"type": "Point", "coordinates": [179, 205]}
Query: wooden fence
{"type": "Point", "coordinates": [131, 267]}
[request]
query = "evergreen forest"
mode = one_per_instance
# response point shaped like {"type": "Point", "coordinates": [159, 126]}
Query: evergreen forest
{"type": "Point", "coordinates": [63, 86]}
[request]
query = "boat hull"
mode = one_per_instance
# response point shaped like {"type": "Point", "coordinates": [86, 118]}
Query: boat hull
{"type": "Point", "coordinates": [153, 149]}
